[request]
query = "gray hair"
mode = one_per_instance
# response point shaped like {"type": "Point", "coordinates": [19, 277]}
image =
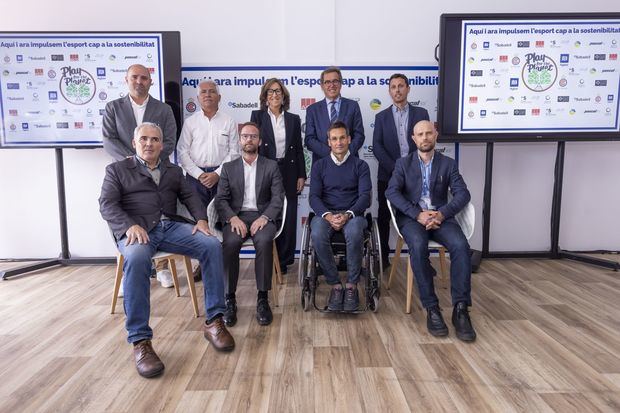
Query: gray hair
{"type": "Point", "coordinates": [217, 88]}
{"type": "Point", "coordinates": [136, 131]}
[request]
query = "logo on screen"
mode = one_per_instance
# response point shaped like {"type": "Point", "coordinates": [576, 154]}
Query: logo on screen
{"type": "Point", "coordinates": [519, 112]}
{"type": "Point", "coordinates": [58, 58]}
{"type": "Point", "coordinates": [563, 99]}
{"type": "Point", "coordinates": [514, 82]}
{"type": "Point", "coordinates": [597, 99]}
{"type": "Point", "coordinates": [103, 95]}
{"type": "Point", "coordinates": [78, 125]}
{"type": "Point", "coordinates": [540, 43]}
{"type": "Point", "coordinates": [190, 107]}
{"type": "Point", "coordinates": [523, 43]}
{"type": "Point", "coordinates": [52, 95]}
{"type": "Point", "coordinates": [19, 58]}
{"type": "Point", "coordinates": [62, 125]}
{"type": "Point", "coordinates": [516, 60]}
{"type": "Point", "coordinates": [473, 99]}
{"type": "Point", "coordinates": [577, 43]}
{"type": "Point", "coordinates": [539, 72]}
{"type": "Point", "coordinates": [475, 73]}
{"type": "Point", "coordinates": [503, 58]}
{"type": "Point", "coordinates": [474, 46]}
{"type": "Point", "coordinates": [600, 82]}
{"type": "Point", "coordinates": [12, 112]}
{"type": "Point", "coordinates": [610, 98]}
{"type": "Point", "coordinates": [38, 72]}
{"type": "Point", "coordinates": [305, 102]}
{"type": "Point", "coordinates": [535, 112]}
{"type": "Point", "coordinates": [485, 45]}
{"type": "Point", "coordinates": [13, 86]}
{"type": "Point", "coordinates": [483, 113]}
{"type": "Point", "coordinates": [470, 114]}
{"type": "Point", "coordinates": [77, 86]}
{"type": "Point", "coordinates": [613, 56]}
{"type": "Point", "coordinates": [600, 56]}
{"type": "Point", "coordinates": [74, 57]}
{"type": "Point", "coordinates": [375, 104]}
{"type": "Point", "coordinates": [51, 74]}
{"type": "Point", "coordinates": [563, 82]}
{"type": "Point", "coordinates": [101, 72]}
{"type": "Point", "coordinates": [564, 58]}
{"type": "Point", "coordinates": [24, 125]}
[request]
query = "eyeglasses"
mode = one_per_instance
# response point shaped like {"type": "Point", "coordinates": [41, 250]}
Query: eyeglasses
{"type": "Point", "coordinates": [334, 82]}
{"type": "Point", "coordinates": [276, 92]}
{"type": "Point", "coordinates": [247, 136]}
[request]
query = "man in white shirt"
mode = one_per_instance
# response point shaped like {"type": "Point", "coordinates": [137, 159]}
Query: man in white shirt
{"type": "Point", "coordinates": [249, 203]}
{"type": "Point", "coordinates": [208, 139]}
{"type": "Point", "coordinates": [120, 120]}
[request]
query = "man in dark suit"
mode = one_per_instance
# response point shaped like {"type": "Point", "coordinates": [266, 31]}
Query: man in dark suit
{"type": "Point", "coordinates": [249, 203]}
{"type": "Point", "coordinates": [120, 120]}
{"type": "Point", "coordinates": [280, 133]}
{"type": "Point", "coordinates": [418, 190]}
{"type": "Point", "coordinates": [320, 115]}
{"type": "Point", "coordinates": [139, 201]}
{"type": "Point", "coordinates": [391, 141]}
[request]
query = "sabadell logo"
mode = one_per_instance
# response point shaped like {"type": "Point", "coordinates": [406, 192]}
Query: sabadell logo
{"type": "Point", "coordinates": [236, 105]}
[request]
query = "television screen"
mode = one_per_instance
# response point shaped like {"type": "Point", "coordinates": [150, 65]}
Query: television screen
{"type": "Point", "coordinates": [529, 77]}
{"type": "Point", "coordinates": [54, 86]}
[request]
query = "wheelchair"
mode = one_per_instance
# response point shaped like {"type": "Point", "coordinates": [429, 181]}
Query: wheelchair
{"type": "Point", "coordinates": [372, 267]}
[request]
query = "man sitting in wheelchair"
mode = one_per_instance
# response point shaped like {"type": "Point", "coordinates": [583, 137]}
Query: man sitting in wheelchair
{"type": "Point", "coordinates": [340, 193]}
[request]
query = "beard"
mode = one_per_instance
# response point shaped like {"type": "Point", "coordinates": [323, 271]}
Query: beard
{"type": "Point", "coordinates": [429, 147]}
{"type": "Point", "coordinates": [251, 149]}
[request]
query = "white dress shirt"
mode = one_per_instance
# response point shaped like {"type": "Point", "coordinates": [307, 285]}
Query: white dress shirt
{"type": "Point", "coordinates": [138, 110]}
{"type": "Point", "coordinates": [207, 143]}
{"type": "Point", "coordinates": [279, 133]}
{"type": "Point", "coordinates": [249, 190]}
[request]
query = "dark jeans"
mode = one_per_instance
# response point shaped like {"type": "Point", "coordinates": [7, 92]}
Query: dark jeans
{"type": "Point", "coordinates": [321, 232]}
{"type": "Point", "coordinates": [449, 235]}
{"type": "Point", "coordinates": [263, 245]}
{"type": "Point", "coordinates": [206, 194]}
{"type": "Point", "coordinates": [383, 220]}
{"type": "Point", "coordinates": [174, 237]}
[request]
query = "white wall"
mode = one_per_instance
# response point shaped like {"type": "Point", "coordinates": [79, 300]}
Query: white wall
{"type": "Point", "coordinates": [321, 32]}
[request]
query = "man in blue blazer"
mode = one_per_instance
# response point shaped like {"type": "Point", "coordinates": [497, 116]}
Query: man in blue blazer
{"type": "Point", "coordinates": [418, 190]}
{"type": "Point", "coordinates": [320, 115]}
{"type": "Point", "coordinates": [391, 140]}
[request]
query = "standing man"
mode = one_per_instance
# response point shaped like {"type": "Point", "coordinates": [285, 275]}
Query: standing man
{"type": "Point", "coordinates": [418, 190]}
{"type": "Point", "coordinates": [249, 204]}
{"type": "Point", "coordinates": [322, 114]}
{"type": "Point", "coordinates": [340, 193]}
{"type": "Point", "coordinates": [120, 120]}
{"type": "Point", "coordinates": [208, 139]}
{"type": "Point", "coordinates": [139, 201]}
{"type": "Point", "coordinates": [390, 141]}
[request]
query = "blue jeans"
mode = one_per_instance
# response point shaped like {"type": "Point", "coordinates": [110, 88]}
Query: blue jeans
{"type": "Point", "coordinates": [174, 237]}
{"type": "Point", "coordinates": [450, 235]}
{"type": "Point", "coordinates": [353, 230]}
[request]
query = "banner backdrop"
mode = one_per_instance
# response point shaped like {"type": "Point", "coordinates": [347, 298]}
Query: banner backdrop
{"type": "Point", "coordinates": [368, 85]}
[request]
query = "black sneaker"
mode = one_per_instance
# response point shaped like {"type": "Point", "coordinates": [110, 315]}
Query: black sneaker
{"type": "Point", "coordinates": [264, 316]}
{"type": "Point", "coordinates": [434, 322]}
{"type": "Point", "coordinates": [336, 297]}
{"type": "Point", "coordinates": [462, 323]}
{"type": "Point", "coordinates": [230, 315]}
{"type": "Point", "coordinates": [351, 299]}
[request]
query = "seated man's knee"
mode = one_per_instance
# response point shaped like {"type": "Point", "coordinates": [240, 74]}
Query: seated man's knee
{"type": "Point", "coordinates": [137, 254]}
{"type": "Point", "coordinates": [211, 243]}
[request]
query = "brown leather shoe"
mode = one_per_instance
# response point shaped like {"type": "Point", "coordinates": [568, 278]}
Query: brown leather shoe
{"type": "Point", "coordinates": [218, 336]}
{"type": "Point", "coordinates": [148, 363]}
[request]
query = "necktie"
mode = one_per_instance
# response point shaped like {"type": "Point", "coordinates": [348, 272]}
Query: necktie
{"type": "Point", "coordinates": [332, 113]}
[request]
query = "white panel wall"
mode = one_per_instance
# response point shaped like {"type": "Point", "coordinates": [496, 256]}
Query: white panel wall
{"type": "Point", "coordinates": [322, 32]}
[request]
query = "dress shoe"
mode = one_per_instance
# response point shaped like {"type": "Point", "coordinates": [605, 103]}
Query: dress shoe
{"type": "Point", "coordinates": [336, 298]}
{"type": "Point", "coordinates": [283, 268]}
{"type": "Point", "coordinates": [218, 336]}
{"type": "Point", "coordinates": [434, 322]}
{"type": "Point", "coordinates": [148, 363]}
{"type": "Point", "coordinates": [263, 312]}
{"type": "Point", "coordinates": [197, 274]}
{"type": "Point", "coordinates": [351, 299]}
{"type": "Point", "coordinates": [462, 323]}
{"type": "Point", "coordinates": [165, 278]}
{"type": "Point", "coordinates": [230, 314]}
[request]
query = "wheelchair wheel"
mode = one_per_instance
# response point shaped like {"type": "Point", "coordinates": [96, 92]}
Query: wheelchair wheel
{"type": "Point", "coordinates": [306, 299]}
{"type": "Point", "coordinates": [303, 255]}
{"type": "Point", "coordinates": [374, 234]}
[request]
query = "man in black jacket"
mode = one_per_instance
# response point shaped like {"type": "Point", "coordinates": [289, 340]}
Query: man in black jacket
{"type": "Point", "coordinates": [138, 200]}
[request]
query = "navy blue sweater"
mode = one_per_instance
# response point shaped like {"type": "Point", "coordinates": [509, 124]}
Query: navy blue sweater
{"type": "Point", "coordinates": [340, 188]}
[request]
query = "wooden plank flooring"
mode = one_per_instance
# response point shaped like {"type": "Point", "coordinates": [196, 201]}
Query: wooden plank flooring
{"type": "Point", "coordinates": [548, 340]}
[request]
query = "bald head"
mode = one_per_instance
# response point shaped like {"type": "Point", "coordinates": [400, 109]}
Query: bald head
{"type": "Point", "coordinates": [139, 82]}
{"type": "Point", "coordinates": [425, 135]}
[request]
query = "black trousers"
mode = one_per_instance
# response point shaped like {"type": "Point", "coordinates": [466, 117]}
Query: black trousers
{"type": "Point", "coordinates": [287, 241]}
{"type": "Point", "coordinates": [263, 245]}
{"type": "Point", "coordinates": [383, 220]}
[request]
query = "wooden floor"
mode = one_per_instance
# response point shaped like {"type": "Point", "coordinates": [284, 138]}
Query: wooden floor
{"type": "Point", "coordinates": [548, 340]}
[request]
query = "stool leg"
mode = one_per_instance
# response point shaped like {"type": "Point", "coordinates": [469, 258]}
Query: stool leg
{"type": "Point", "coordinates": [191, 284]}
{"type": "Point", "coordinates": [117, 280]}
{"type": "Point", "coordinates": [399, 247]}
{"type": "Point", "coordinates": [173, 270]}
{"type": "Point", "coordinates": [276, 264]}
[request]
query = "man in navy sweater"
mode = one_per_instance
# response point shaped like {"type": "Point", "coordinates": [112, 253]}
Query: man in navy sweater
{"type": "Point", "coordinates": [340, 193]}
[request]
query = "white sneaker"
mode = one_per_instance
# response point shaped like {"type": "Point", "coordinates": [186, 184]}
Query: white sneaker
{"type": "Point", "coordinates": [165, 278]}
{"type": "Point", "coordinates": [120, 290]}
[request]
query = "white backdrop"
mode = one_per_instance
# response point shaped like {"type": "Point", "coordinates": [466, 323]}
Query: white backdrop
{"type": "Point", "coordinates": [319, 33]}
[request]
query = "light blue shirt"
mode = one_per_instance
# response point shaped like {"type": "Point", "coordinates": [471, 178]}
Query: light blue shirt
{"type": "Point", "coordinates": [338, 100]}
{"type": "Point", "coordinates": [425, 198]}
{"type": "Point", "coordinates": [401, 120]}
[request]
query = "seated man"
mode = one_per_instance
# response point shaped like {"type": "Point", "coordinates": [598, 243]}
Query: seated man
{"type": "Point", "coordinates": [418, 190]}
{"type": "Point", "coordinates": [249, 203]}
{"type": "Point", "coordinates": [340, 191]}
{"type": "Point", "coordinates": [139, 202]}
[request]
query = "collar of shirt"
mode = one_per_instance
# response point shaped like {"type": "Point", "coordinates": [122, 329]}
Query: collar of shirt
{"type": "Point", "coordinates": [251, 164]}
{"type": "Point", "coordinates": [396, 109]}
{"type": "Point", "coordinates": [143, 162]}
{"type": "Point", "coordinates": [336, 161]}
{"type": "Point", "coordinates": [143, 105]}
{"type": "Point", "coordinates": [422, 161]}
{"type": "Point", "coordinates": [212, 117]}
{"type": "Point", "coordinates": [337, 103]}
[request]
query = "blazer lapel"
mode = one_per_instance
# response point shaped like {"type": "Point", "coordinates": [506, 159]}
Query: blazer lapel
{"type": "Point", "coordinates": [288, 129]}
{"type": "Point", "coordinates": [259, 176]}
{"type": "Point", "coordinates": [148, 111]}
{"type": "Point", "coordinates": [410, 125]}
{"type": "Point", "coordinates": [434, 171]}
{"type": "Point", "coordinates": [269, 134]}
{"type": "Point", "coordinates": [135, 164]}
{"type": "Point", "coordinates": [129, 114]}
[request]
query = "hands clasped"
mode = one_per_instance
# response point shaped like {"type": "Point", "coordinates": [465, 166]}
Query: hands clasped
{"type": "Point", "coordinates": [430, 219]}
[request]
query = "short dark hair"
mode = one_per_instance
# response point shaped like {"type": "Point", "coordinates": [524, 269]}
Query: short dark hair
{"type": "Point", "coordinates": [331, 69]}
{"type": "Point", "coordinates": [286, 97]}
{"type": "Point", "coordinates": [243, 125]}
{"type": "Point", "coordinates": [337, 125]}
{"type": "Point", "coordinates": [397, 76]}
